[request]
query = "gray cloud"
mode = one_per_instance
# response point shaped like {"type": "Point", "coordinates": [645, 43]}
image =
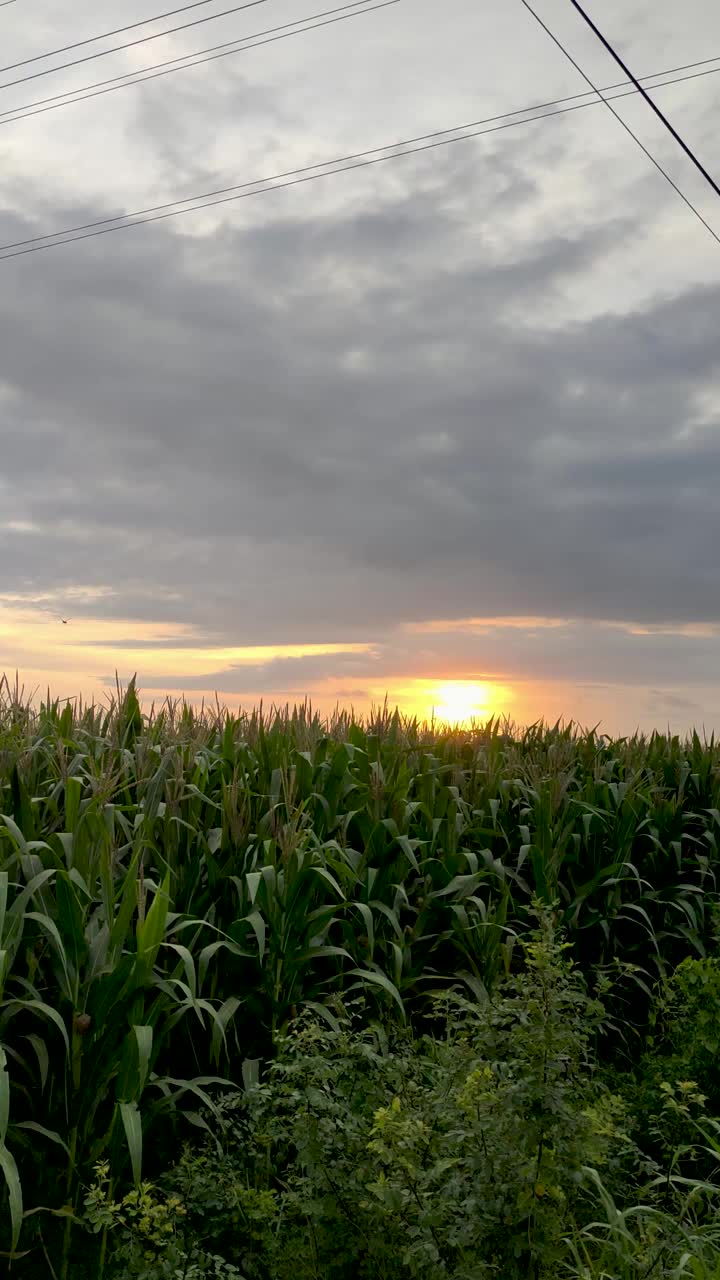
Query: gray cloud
{"type": "Point", "coordinates": [502, 655]}
{"type": "Point", "coordinates": [407, 394]}
{"type": "Point", "coordinates": [279, 674]}
{"type": "Point", "coordinates": [403, 429]}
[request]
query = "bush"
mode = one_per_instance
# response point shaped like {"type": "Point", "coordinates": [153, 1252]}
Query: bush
{"type": "Point", "coordinates": [367, 1155]}
{"type": "Point", "coordinates": [691, 1014]}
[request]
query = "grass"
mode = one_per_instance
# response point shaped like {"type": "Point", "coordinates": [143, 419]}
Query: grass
{"type": "Point", "coordinates": [176, 888]}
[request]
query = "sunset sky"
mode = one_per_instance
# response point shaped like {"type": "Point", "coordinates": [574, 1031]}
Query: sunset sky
{"type": "Point", "coordinates": [445, 428]}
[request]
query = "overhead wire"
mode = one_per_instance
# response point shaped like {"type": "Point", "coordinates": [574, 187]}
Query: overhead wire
{"type": "Point", "coordinates": [183, 62]}
{"type": "Point", "coordinates": [104, 35]}
{"type": "Point", "coordinates": [644, 94]}
{"type": "Point", "coordinates": [101, 87]}
{"type": "Point", "coordinates": [295, 177]}
{"type": "Point", "coordinates": [132, 44]}
{"type": "Point", "coordinates": [660, 168]}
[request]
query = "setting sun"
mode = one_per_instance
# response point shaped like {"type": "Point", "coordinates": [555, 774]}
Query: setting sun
{"type": "Point", "coordinates": [459, 701]}
{"type": "Point", "coordinates": [452, 702]}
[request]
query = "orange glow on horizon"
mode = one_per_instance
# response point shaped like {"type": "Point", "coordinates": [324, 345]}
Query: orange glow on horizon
{"type": "Point", "coordinates": [90, 646]}
{"type": "Point", "coordinates": [454, 702]}
{"type": "Point", "coordinates": [80, 658]}
{"type": "Point", "coordinates": [458, 702]}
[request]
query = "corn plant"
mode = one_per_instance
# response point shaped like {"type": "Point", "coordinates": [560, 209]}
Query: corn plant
{"type": "Point", "coordinates": [177, 884]}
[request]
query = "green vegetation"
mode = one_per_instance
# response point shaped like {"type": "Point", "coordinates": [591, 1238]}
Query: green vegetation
{"type": "Point", "coordinates": [286, 998]}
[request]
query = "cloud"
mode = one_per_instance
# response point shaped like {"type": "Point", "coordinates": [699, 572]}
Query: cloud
{"type": "Point", "coordinates": [593, 656]}
{"type": "Point", "coordinates": [467, 384]}
{"type": "Point", "coordinates": [275, 494]}
{"type": "Point", "coordinates": [280, 674]}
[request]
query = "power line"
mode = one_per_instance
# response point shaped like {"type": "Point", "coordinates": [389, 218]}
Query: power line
{"type": "Point", "coordinates": [289, 178]}
{"type": "Point", "coordinates": [131, 44]}
{"type": "Point", "coordinates": [99, 89]}
{"type": "Point", "coordinates": [686, 200]}
{"type": "Point", "coordinates": [104, 35]}
{"type": "Point", "coordinates": [183, 63]}
{"type": "Point", "coordinates": [688, 151]}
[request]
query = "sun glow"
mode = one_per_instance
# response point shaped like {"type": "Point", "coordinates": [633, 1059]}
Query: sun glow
{"type": "Point", "coordinates": [451, 702]}
{"type": "Point", "coordinates": [460, 701]}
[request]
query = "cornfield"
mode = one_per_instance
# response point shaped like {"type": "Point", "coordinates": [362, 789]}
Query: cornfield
{"type": "Point", "coordinates": [176, 887]}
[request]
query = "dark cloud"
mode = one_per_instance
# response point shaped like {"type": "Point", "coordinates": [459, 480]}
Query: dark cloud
{"type": "Point", "coordinates": [279, 674]}
{"type": "Point", "coordinates": [573, 652]}
{"type": "Point", "coordinates": [378, 399]}
{"type": "Point", "coordinates": [323, 418]}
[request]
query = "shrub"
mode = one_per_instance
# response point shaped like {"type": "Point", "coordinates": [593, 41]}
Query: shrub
{"type": "Point", "coordinates": [363, 1154]}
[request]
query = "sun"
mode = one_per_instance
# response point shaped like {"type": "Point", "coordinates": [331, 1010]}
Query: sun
{"type": "Point", "coordinates": [457, 703]}
{"type": "Point", "coordinates": [460, 701]}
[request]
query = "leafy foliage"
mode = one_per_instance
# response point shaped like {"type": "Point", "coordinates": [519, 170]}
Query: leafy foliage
{"type": "Point", "coordinates": [458, 1156]}
{"type": "Point", "coordinates": [179, 890]}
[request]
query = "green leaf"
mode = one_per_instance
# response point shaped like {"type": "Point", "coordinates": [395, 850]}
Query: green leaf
{"type": "Point", "coordinates": [188, 964]}
{"type": "Point", "coordinates": [22, 805]}
{"type": "Point", "coordinates": [325, 875]}
{"type": "Point", "coordinates": [250, 1073]}
{"type": "Point", "coordinates": [369, 923]}
{"type": "Point", "coordinates": [407, 847]}
{"type": "Point", "coordinates": [322, 1011]}
{"type": "Point", "coordinates": [144, 1040]}
{"type": "Point", "coordinates": [257, 924]}
{"type": "Point", "coordinates": [14, 1188]}
{"type": "Point", "coordinates": [34, 885]}
{"type": "Point", "coordinates": [7, 1160]}
{"type": "Point", "coordinates": [152, 930]}
{"type": "Point", "coordinates": [43, 1010]}
{"type": "Point", "coordinates": [207, 954]}
{"type": "Point", "coordinates": [459, 886]}
{"type": "Point", "coordinates": [128, 897]}
{"type": "Point", "coordinates": [73, 797]}
{"type": "Point", "coordinates": [380, 980]}
{"type": "Point", "coordinates": [253, 879]}
{"type": "Point", "coordinates": [33, 1127]}
{"type": "Point", "coordinates": [4, 885]}
{"type": "Point", "coordinates": [221, 1018]}
{"type": "Point", "coordinates": [42, 1056]}
{"type": "Point", "coordinates": [132, 1125]}
{"type": "Point", "coordinates": [49, 927]}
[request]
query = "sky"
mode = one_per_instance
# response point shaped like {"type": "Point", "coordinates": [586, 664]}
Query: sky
{"type": "Point", "coordinates": [443, 428]}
